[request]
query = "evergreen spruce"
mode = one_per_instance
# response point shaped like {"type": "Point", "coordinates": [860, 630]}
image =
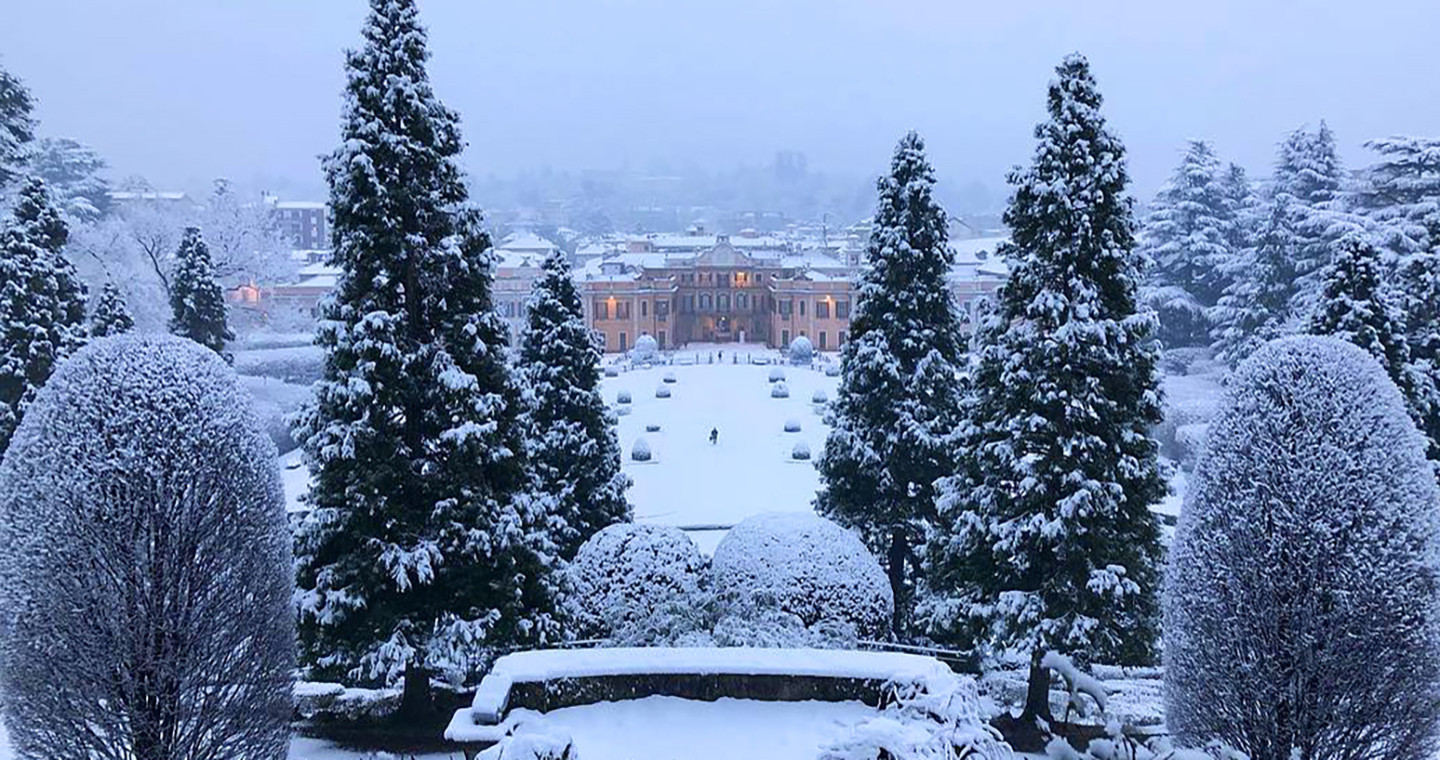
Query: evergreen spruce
{"type": "Point", "coordinates": [573, 447]}
{"type": "Point", "coordinates": [42, 303]}
{"type": "Point", "coordinates": [1046, 539]}
{"type": "Point", "coordinates": [898, 400]}
{"type": "Point", "coordinates": [1418, 276]}
{"type": "Point", "coordinates": [425, 550]}
{"type": "Point", "coordinates": [1245, 211]}
{"type": "Point", "coordinates": [1188, 231]}
{"type": "Point", "coordinates": [1356, 305]}
{"type": "Point", "coordinates": [71, 170]}
{"type": "Point", "coordinates": [1256, 305]}
{"type": "Point", "coordinates": [1309, 174]}
{"type": "Point", "coordinates": [110, 315]}
{"type": "Point", "coordinates": [17, 127]}
{"type": "Point", "coordinates": [197, 303]}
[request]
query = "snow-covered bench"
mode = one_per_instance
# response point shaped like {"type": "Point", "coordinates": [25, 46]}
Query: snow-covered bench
{"type": "Point", "coordinates": [539, 681]}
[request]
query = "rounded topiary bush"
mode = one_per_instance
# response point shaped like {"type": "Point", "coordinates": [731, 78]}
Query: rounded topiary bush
{"type": "Point", "coordinates": [623, 397]}
{"type": "Point", "coordinates": [832, 370]}
{"type": "Point", "coordinates": [800, 452]}
{"type": "Point", "coordinates": [645, 349]}
{"type": "Point", "coordinates": [640, 452]}
{"type": "Point", "coordinates": [792, 425]}
{"type": "Point", "coordinates": [632, 583]}
{"type": "Point", "coordinates": [669, 377]}
{"type": "Point", "coordinates": [623, 410]}
{"type": "Point", "coordinates": [779, 390]}
{"type": "Point", "coordinates": [776, 374]}
{"type": "Point", "coordinates": [612, 371]}
{"type": "Point", "coordinates": [662, 391]}
{"type": "Point", "coordinates": [1304, 570]}
{"type": "Point", "coordinates": [819, 397]}
{"type": "Point", "coordinates": [802, 351]}
{"type": "Point", "coordinates": [146, 559]}
{"type": "Point", "coordinates": [810, 567]}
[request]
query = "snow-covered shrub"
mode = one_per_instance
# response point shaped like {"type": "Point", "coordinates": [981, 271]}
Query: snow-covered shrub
{"type": "Point", "coordinates": [800, 452]}
{"type": "Point", "coordinates": [662, 391]}
{"type": "Point", "coordinates": [757, 620]}
{"type": "Point", "coordinates": [645, 349]}
{"type": "Point", "coordinates": [938, 718]}
{"type": "Point", "coordinates": [780, 390]}
{"type": "Point", "coordinates": [812, 568]}
{"type": "Point", "coordinates": [623, 397]}
{"type": "Point", "coordinates": [640, 452]}
{"type": "Point", "coordinates": [636, 584]}
{"type": "Point", "coordinates": [612, 371]}
{"type": "Point", "coordinates": [623, 410]}
{"type": "Point", "coordinates": [792, 425]}
{"type": "Point", "coordinates": [777, 374]}
{"type": "Point", "coordinates": [819, 397]}
{"type": "Point", "coordinates": [1182, 318]}
{"type": "Point", "coordinates": [652, 427]}
{"type": "Point", "coordinates": [802, 351]}
{"type": "Point", "coordinates": [145, 562]}
{"type": "Point", "coordinates": [669, 377]}
{"type": "Point", "coordinates": [301, 365]}
{"type": "Point", "coordinates": [832, 370]}
{"type": "Point", "coordinates": [1190, 441]}
{"type": "Point", "coordinates": [1304, 570]}
{"type": "Point", "coordinates": [1179, 361]}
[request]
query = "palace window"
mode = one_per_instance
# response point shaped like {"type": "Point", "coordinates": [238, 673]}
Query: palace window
{"type": "Point", "coordinates": [662, 311]}
{"type": "Point", "coordinates": [740, 303]}
{"type": "Point", "coordinates": [842, 311]}
{"type": "Point", "coordinates": [602, 311]}
{"type": "Point", "coordinates": [823, 344]}
{"type": "Point", "coordinates": [704, 302]}
{"type": "Point", "coordinates": [802, 307]}
{"type": "Point", "coordinates": [843, 337]}
{"type": "Point", "coordinates": [644, 308]}
{"type": "Point", "coordinates": [722, 302]}
{"type": "Point", "coordinates": [622, 310]}
{"type": "Point", "coordinates": [784, 337]}
{"type": "Point", "coordinates": [822, 309]}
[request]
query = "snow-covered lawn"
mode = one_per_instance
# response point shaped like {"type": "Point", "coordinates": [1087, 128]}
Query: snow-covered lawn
{"type": "Point", "coordinates": [670, 727]}
{"type": "Point", "coordinates": [749, 470]}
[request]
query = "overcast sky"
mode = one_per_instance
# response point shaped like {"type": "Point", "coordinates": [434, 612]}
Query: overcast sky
{"type": "Point", "coordinates": [184, 90]}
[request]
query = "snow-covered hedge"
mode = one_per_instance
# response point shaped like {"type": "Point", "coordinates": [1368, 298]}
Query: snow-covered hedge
{"type": "Point", "coordinates": [800, 452]}
{"type": "Point", "coordinates": [635, 584]}
{"type": "Point", "coordinates": [640, 452]}
{"type": "Point", "coordinates": [669, 377]}
{"type": "Point", "coordinates": [622, 397]}
{"type": "Point", "coordinates": [1303, 572]}
{"type": "Point", "coordinates": [776, 374]}
{"type": "Point", "coordinates": [662, 391]}
{"type": "Point", "coordinates": [652, 427]}
{"type": "Point", "coordinates": [819, 396]}
{"type": "Point", "coordinates": [779, 390]}
{"type": "Point", "coordinates": [802, 351]}
{"type": "Point", "coordinates": [792, 425]}
{"type": "Point", "coordinates": [832, 370]}
{"type": "Point", "coordinates": [612, 371]}
{"type": "Point", "coordinates": [813, 569]}
{"type": "Point", "coordinates": [645, 349]}
{"type": "Point", "coordinates": [140, 498]}
{"type": "Point", "coordinates": [928, 719]}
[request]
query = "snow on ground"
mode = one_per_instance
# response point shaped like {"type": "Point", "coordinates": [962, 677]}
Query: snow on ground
{"type": "Point", "coordinates": [670, 727]}
{"type": "Point", "coordinates": [749, 470]}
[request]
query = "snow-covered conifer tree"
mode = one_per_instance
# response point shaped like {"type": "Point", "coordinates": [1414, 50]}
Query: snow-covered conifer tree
{"type": "Point", "coordinates": [110, 315]}
{"type": "Point", "coordinates": [1309, 172]}
{"type": "Point", "coordinates": [1256, 305]}
{"type": "Point", "coordinates": [1402, 192]}
{"type": "Point", "coordinates": [1046, 540]}
{"type": "Point", "coordinates": [1188, 235]}
{"type": "Point", "coordinates": [17, 127]}
{"type": "Point", "coordinates": [197, 304]}
{"type": "Point", "coordinates": [71, 170]}
{"type": "Point", "coordinates": [1356, 305]}
{"type": "Point", "coordinates": [42, 303]}
{"type": "Point", "coordinates": [898, 400]}
{"type": "Point", "coordinates": [574, 451]}
{"type": "Point", "coordinates": [425, 548]}
{"type": "Point", "coordinates": [145, 575]}
{"type": "Point", "coordinates": [1300, 604]}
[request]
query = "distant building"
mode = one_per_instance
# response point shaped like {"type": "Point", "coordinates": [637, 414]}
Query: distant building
{"type": "Point", "coordinates": [303, 223]}
{"type": "Point", "coordinates": [131, 198]}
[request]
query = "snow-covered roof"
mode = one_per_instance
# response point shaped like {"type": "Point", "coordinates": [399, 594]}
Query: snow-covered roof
{"type": "Point", "coordinates": [316, 205]}
{"type": "Point", "coordinates": [975, 258]}
{"type": "Point", "coordinates": [127, 195]}
{"type": "Point", "coordinates": [525, 240]}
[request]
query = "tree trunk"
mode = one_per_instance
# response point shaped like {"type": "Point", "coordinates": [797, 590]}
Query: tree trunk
{"type": "Point", "coordinates": [899, 553]}
{"type": "Point", "coordinates": [1037, 695]}
{"type": "Point", "coordinates": [415, 700]}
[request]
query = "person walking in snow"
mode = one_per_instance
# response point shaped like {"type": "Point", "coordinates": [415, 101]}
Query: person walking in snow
{"type": "Point", "coordinates": [714, 436]}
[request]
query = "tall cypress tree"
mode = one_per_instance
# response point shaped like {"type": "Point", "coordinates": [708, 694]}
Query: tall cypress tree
{"type": "Point", "coordinates": [1357, 305]}
{"type": "Point", "coordinates": [110, 316]}
{"type": "Point", "coordinates": [1046, 540]}
{"type": "Point", "coordinates": [424, 549]}
{"type": "Point", "coordinates": [573, 447]}
{"type": "Point", "coordinates": [197, 303]}
{"type": "Point", "coordinates": [898, 401]}
{"type": "Point", "coordinates": [42, 303]}
{"type": "Point", "coordinates": [17, 127]}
